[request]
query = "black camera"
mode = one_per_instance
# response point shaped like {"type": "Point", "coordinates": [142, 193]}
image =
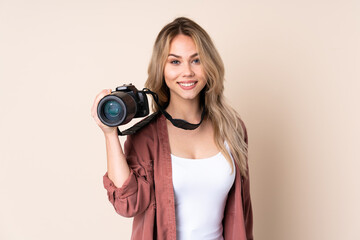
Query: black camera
{"type": "Point", "coordinates": [122, 105]}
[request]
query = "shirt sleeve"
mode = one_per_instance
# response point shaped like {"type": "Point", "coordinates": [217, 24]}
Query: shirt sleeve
{"type": "Point", "coordinates": [248, 215]}
{"type": "Point", "coordinates": [133, 197]}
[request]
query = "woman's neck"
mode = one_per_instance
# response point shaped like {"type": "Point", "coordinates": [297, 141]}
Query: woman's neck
{"type": "Point", "coordinates": [188, 110]}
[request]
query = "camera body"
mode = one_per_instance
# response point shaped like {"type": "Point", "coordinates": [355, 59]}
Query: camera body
{"type": "Point", "coordinates": [122, 105]}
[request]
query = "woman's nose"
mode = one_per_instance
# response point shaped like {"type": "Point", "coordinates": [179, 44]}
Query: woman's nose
{"type": "Point", "coordinates": [188, 71]}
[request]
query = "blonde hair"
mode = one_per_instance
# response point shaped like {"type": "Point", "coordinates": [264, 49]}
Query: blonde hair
{"type": "Point", "coordinates": [226, 122]}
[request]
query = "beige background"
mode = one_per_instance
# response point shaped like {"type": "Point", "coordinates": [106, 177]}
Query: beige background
{"type": "Point", "coordinates": [292, 70]}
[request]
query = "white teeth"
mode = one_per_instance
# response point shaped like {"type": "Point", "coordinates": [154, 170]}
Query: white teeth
{"type": "Point", "coordinates": [187, 84]}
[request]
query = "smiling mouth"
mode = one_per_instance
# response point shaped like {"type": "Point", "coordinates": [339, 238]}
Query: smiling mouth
{"type": "Point", "coordinates": [187, 84]}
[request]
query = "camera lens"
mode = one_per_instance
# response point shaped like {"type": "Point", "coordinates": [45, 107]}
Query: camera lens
{"type": "Point", "coordinates": [116, 109]}
{"type": "Point", "coordinates": [113, 110]}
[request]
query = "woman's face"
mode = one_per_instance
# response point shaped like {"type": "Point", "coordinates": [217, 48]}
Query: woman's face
{"type": "Point", "coordinates": [183, 70]}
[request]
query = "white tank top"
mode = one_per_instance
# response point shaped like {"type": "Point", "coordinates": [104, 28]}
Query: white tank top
{"type": "Point", "coordinates": [201, 187]}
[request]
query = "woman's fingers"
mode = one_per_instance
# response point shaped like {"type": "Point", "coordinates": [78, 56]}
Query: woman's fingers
{"type": "Point", "coordinates": [98, 97]}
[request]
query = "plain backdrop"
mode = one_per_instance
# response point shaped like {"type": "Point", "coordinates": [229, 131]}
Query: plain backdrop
{"type": "Point", "coordinates": [292, 72]}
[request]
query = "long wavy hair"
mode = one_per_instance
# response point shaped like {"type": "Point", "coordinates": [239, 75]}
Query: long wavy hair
{"type": "Point", "coordinates": [225, 120]}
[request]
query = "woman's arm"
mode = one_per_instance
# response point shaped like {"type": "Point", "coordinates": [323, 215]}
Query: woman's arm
{"type": "Point", "coordinates": [133, 197]}
{"type": "Point", "coordinates": [118, 169]}
{"type": "Point", "coordinates": [126, 180]}
{"type": "Point", "coordinates": [117, 166]}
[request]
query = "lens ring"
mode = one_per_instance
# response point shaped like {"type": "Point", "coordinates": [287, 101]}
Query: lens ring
{"type": "Point", "coordinates": [112, 110]}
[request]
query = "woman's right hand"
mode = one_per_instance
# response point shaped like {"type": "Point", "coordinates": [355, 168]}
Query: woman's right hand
{"type": "Point", "coordinates": [118, 168]}
{"type": "Point", "coordinates": [104, 128]}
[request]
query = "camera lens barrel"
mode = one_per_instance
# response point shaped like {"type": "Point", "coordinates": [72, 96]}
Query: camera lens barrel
{"type": "Point", "coordinates": [116, 109]}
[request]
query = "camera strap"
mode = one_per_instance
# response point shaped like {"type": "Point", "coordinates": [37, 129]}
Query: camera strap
{"type": "Point", "coordinates": [138, 125]}
{"type": "Point", "coordinates": [176, 122]}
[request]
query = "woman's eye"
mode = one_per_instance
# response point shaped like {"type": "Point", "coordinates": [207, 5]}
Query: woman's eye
{"type": "Point", "coordinates": [196, 60]}
{"type": "Point", "coordinates": [175, 62]}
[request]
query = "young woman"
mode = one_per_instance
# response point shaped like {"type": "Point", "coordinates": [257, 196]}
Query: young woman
{"type": "Point", "coordinates": [178, 183]}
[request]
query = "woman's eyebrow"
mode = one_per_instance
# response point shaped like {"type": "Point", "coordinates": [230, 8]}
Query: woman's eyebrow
{"type": "Point", "coordinates": [177, 56]}
{"type": "Point", "coordinates": [171, 54]}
